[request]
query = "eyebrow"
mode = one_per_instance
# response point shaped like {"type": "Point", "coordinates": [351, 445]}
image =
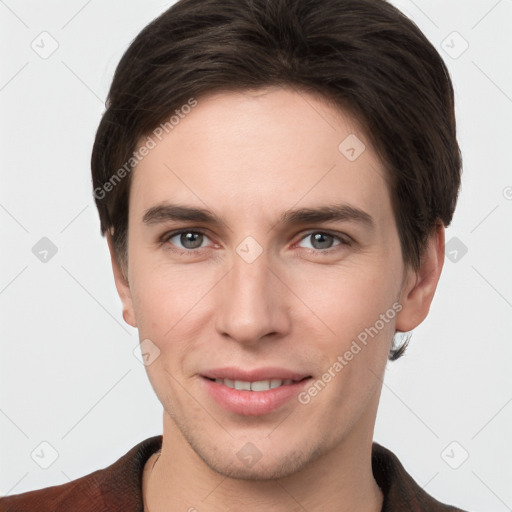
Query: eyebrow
{"type": "Point", "coordinates": [341, 212]}
{"type": "Point", "coordinates": [166, 212]}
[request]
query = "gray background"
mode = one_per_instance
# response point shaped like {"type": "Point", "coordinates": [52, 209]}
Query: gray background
{"type": "Point", "coordinates": [69, 376]}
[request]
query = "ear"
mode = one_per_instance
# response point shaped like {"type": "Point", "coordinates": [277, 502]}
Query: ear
{"type": "Point", "coordinates": [122, 285]}
{"type": "Point", "coordinates": [420, 285]}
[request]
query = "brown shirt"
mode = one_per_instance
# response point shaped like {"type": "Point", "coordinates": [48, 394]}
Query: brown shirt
{"type": "Point", "coordinates": [118, 488]}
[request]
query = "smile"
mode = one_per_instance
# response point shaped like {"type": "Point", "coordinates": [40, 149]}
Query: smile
{"type": "Point", "coordinates": [259, 385]}
{"type": "Point", "coordinates": [253, 397]}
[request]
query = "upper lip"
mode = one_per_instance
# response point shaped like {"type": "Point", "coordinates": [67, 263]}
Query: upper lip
{"type": "Point", "coordinates": [254, 375]}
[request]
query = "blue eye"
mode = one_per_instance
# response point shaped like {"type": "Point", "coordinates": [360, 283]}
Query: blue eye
{"type": "Point", "coordinates": [322, 241]}
{"type": "Point", "coordinates": [189, 240]}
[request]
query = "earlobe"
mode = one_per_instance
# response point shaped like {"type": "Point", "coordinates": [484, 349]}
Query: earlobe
{"type": "Point", "coordinates": [122, 285]}
{"type": "Point", "coordinates": [420, 285]}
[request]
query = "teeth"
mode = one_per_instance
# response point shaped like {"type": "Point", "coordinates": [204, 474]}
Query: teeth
{"type": "Point", "coordinates": [275, 383]}
{"type": "Point", "coordinates": [260, 385]}
{"type": "Point", "coordinates": [240, 384]}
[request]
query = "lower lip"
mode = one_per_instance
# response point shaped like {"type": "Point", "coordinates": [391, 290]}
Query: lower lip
{"type": "Point", "coordinates": [253, 403]}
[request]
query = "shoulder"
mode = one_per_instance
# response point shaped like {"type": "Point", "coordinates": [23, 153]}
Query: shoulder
{"type": "Point", "coordinates": [116, 487]}
{"type": "Point", "coordinates": [401, 492]}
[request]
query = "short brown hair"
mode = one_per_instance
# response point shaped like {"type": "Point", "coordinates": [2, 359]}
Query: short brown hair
{"type": "Point", "coordinates": [364, 56]}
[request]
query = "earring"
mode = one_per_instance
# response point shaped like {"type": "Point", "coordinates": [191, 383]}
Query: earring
{"type": "Point", "coordinates": [399, 344]}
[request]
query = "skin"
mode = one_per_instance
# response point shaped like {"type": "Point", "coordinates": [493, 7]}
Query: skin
{"type": "Point", "coordinates": [248, 157]}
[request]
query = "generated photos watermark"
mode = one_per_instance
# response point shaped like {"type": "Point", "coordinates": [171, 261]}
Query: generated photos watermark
{"type": "Point", "coordinates": [150, 143]}
{"type": "Point", "coordinates": [304, 397]}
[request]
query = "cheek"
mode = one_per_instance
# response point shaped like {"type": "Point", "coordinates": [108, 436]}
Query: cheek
{"type": "Point", "coordinates": [350, 301]}
{"type": "Point", "coordinates": [358, 310]}
{"type": "Point", "coordinates": [170, 309]}
{"type": "Point", "coordinates": [169, 300]}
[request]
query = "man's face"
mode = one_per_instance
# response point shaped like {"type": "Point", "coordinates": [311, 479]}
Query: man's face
{"type": "Point", "coordinates": [260, 293]}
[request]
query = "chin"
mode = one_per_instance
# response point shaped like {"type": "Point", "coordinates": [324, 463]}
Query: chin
{"type": "Point", "coordinates": [230, 463]}
{"type": "Point", "coordinates": [260, 471]}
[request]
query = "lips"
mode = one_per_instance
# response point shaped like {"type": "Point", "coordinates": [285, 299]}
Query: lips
{"type": "Point", "coordinates": [253, 392]}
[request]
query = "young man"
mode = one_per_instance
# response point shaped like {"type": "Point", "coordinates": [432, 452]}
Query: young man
{"type": "Point", "coordinates": [273, 178]}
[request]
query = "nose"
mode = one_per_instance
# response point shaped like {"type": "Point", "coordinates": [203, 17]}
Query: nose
{"type": "Point", "coordinates": [251, 303]}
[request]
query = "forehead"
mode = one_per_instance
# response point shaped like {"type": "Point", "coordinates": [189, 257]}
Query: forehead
{"type": "Point", "coordinates": [261, 152]}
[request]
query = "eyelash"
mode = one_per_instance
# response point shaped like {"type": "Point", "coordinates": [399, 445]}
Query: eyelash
{"type": "Point", "coordinates": [344, 240]}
